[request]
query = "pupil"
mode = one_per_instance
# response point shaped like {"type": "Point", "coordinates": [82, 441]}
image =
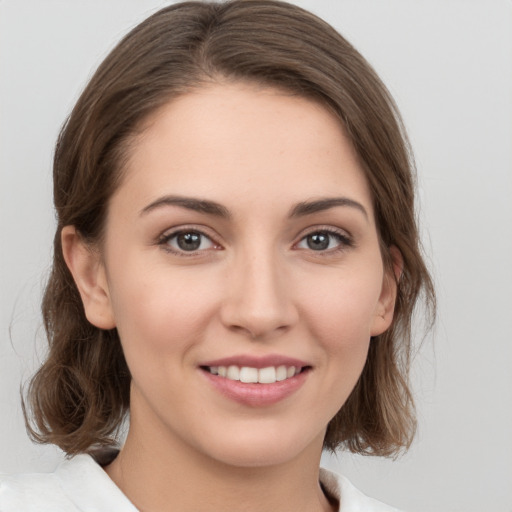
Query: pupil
{"type": "Point", "coordinates": [318, 241]}
{"type": "Point", "coordinates": [189, 241]}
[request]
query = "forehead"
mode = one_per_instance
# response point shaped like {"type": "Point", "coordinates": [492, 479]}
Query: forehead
{"type": "Point", "coordinates": [240, 140]}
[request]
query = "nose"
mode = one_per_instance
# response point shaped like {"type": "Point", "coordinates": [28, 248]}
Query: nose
{"type": "Point", "coordinates": [259, 297]}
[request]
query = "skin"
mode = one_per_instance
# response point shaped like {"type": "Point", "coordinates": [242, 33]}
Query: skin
{"type": "Point", "coordinates": [254, 287]}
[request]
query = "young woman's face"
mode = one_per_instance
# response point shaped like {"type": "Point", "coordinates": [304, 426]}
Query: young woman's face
{"type": "Point", "coordinates": [241, 246]}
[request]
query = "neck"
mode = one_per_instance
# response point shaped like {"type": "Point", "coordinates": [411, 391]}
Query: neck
{"type": "Point", "coordinates": [167, 475]}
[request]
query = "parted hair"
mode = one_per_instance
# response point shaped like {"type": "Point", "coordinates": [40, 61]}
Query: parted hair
{"type": "Point", "coordinates": [80, 395]}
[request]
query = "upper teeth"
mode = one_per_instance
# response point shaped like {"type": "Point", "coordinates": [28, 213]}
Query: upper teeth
{"type": "Point", "coordinates": [247, 374]}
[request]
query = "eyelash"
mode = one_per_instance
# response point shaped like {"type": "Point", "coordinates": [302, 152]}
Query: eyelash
{"type": "Point", "coordinates": [344, 241]}
{"type": "Point", "coordinates": [166, 238]}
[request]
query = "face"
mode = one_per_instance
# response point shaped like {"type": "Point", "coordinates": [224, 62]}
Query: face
{"type": "Point", "coordinates": [241, 267]}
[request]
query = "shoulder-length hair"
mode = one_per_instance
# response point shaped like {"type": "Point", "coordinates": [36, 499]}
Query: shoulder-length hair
{"type": "Point", "coordinates": [80, 395]}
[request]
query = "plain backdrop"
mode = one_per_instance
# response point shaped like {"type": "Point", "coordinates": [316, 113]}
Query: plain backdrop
{"type": "Point", "coordinates": [449, 65]}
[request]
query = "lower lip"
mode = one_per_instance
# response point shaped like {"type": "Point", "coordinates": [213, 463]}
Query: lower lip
{"type": "Point", "coordinates": [257, 395]}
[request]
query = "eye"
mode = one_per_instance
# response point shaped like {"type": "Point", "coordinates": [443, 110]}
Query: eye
{"type": "Point", "coordinates": [187, 241]}
{"type": "Point", "coordinates": [324, 240]}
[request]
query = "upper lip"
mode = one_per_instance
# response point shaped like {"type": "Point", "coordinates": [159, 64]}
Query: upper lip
{"type": "Point", "coordinates": [256, 361]}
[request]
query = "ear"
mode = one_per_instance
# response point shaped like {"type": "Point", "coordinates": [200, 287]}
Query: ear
{"type": "Point", "coordinates": [84, 263]}
{"type": "Point", "coordinates": [386, 306]}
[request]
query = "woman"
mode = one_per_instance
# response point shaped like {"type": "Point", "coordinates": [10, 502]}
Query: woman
{"type": "Point", "coordinates": [236, 263]}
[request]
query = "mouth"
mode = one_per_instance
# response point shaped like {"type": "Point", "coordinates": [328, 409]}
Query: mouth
{"type": "Point", "coordinates": [252, 375]}
{"type": "Point", "coordinates": [256, 380]}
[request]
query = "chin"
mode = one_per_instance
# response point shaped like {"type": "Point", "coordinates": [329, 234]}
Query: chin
{"type": "Point", "coordinates": [264, 449]}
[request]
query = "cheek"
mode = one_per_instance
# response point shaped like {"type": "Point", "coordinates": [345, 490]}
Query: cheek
{"type": "Point", "coordinates": [162, 311]}
{"type": "Point", "coordinates": [343, 309]}
{"type": "Point", "coordinates": [339, 319]}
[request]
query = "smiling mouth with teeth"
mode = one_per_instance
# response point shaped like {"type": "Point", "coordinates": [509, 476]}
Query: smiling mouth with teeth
{"type": "Point", "coordinates": [249, 375]}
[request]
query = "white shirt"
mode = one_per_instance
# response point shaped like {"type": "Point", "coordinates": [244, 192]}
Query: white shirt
{"type": "Point", "coordinates": [81, 485]}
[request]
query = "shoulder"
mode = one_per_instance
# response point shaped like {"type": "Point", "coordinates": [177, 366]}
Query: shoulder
{"type": "Point", "coordinates": [78, 484]}
{"type": "Point", "coordinates": [27, 492]}
{"type": "Point", "coordinates": [350, 498]}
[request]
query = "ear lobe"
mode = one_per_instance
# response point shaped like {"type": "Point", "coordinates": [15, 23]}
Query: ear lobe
{"type": "Point", "coordinates": [386, 306]}
{"type": "Point", "coordinates": [88, 271]}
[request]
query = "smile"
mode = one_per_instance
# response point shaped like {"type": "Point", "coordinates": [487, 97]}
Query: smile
{"type": "Point", "coordinates": [256, 380]}
{"type": "Point", "coordinates": [250, 375]}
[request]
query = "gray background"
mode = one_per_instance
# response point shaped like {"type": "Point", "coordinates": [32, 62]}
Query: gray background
{"type": "Point", "coordinates": [449, 65]}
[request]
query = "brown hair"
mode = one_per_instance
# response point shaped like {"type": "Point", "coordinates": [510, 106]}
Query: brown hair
{"type": "Point", "coordinates": [80, 395]}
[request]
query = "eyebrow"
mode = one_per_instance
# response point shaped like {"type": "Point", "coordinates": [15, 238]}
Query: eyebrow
{"type": "Point", "coordinates": [190, 203]}
{"type": "Point", "coordinates": [212, 208]}
{"type": "Point", "coordinates": [320, 205]}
